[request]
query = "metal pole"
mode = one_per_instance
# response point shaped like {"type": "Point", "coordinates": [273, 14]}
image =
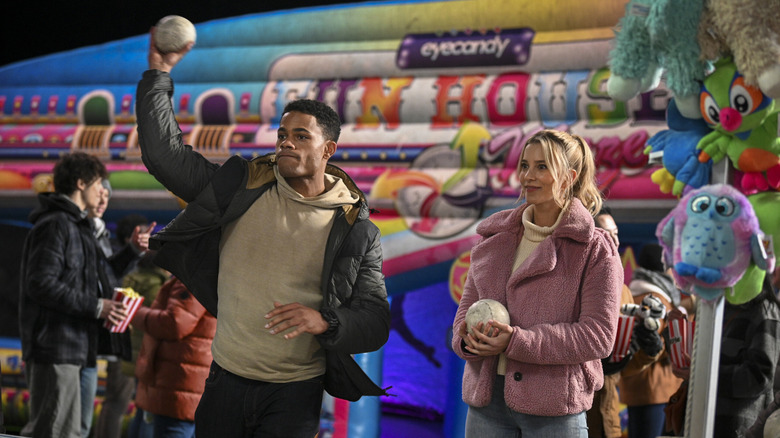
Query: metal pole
{"type": "Point", "coordinates": [703, 380]}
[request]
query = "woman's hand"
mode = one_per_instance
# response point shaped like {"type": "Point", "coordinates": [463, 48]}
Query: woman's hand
{"type": "Point", "coordinates": [488, 339]}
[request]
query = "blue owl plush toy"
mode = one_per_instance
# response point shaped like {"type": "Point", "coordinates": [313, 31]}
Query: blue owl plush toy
{"type": "Point", "coordinates": [710, 238]}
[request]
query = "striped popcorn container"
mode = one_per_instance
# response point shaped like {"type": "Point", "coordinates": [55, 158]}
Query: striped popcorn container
{"type": "Point", "coordinates": [680, 337]}
{"type": "Point", "coordinates": [133, 300]}
{"type": "Point", "coordinates": [623, 339]}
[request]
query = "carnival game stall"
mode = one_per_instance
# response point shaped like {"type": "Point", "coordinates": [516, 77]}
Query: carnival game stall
{"type": "Point", "coordinates": [436, 100]}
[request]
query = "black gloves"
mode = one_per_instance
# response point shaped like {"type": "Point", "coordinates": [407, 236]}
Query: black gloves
{"type": "Point", "coordinates": [648, 340]}
{"type": "Point", "coordinates": [614, 367]}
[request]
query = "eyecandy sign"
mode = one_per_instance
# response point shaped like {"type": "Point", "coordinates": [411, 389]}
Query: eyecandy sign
{"type": "Point", "coordinates": [465, 49]}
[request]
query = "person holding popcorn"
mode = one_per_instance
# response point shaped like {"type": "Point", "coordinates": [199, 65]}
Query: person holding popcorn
{"type": "Point", "coordinates": [62, 304]}
{"type": "Point", "coordinates": [647, 382]}
{"type": "Point", "coordinates": [116, 262]}
{"type": "Point", "coordinates": [561, 279]}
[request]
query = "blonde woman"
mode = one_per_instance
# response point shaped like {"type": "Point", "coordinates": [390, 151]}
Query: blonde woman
{"type": "Point", "coordinates": [560, 278]}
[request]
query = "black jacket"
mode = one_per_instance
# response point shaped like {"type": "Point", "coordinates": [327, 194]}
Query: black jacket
{"type": "Point", "coordinates": [59, 289]}
{"type": "Point", "coordinates": [115, 265]}
{"type": "Point", "coordinates": [352, 281]}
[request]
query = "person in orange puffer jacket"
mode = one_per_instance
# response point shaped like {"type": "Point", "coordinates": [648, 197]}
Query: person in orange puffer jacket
{"type": "Point", "coordinates": [174, 360]}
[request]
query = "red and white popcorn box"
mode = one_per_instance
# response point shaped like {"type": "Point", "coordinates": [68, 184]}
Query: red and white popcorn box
{"type": "Point", "coordinates": [133, 301]}
{"type": "Point", "coordinates": [625, 330]}
{"type": "Point", "coordinates": [681, 341]}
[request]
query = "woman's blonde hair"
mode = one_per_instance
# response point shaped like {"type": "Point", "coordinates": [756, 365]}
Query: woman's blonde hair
{"type": "Point", "coordinates": [564, 152]}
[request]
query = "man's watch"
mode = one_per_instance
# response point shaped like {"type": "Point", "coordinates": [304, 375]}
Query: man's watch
{"type": "Point", "coordinates": [333, 322]}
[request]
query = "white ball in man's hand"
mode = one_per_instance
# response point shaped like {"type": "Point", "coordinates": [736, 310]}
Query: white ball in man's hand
{"type": "Point", "coordinates": [483, 311]}
{"type": "Point", "coordinates": [173, 33]}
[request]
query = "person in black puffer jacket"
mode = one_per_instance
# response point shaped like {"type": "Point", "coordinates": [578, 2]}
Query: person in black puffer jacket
{"type": "Point", "coordinates": [281, 251]}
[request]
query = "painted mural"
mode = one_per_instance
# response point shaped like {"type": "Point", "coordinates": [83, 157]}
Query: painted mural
{"type": "Point", "coordinates": [436, 100]}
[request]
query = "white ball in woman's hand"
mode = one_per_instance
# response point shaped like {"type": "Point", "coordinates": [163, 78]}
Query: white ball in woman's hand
{"type": "Point", "coordinates": [483, 311]}
{"type": "Point", "coordinates": [772, 425]}
{"type": "Point", "coordinates": [173, 33]}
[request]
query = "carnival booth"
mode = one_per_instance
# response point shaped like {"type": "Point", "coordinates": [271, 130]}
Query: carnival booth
{"type": "Point", "coordinates": [436, 100]}
{"type": "Point", "coordinates": [720, 156]}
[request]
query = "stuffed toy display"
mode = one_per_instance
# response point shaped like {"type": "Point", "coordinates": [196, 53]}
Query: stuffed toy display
{"type": "Point", "coordinates": [676, 149]}
{"type": "Point", "coordinates": [748, 287]}
{"type": "Point", "coordinates": [710, 238]}
{"type": "Point", "coordinates": [653, 36]}
{"type": "Point", "coordinates": [749, 30]}
{"type": "Point", "coordinates": [744, 128]}
{"type": "Point", "coordinates": [766, 205]}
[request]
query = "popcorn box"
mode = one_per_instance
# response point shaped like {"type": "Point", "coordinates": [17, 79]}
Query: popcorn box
{"type": "Point", "coordinates": [623, 339]}
{"type": "Point", "coordinates": [681, 341]}
{"type": "Point", "coordinates": [133, 300]}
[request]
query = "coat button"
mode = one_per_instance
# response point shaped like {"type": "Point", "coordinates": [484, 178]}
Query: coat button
{"type": "Point", "coordinates": [518, 376]}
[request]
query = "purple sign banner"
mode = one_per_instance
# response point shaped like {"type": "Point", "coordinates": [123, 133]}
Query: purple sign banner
{"type": "Point", "coordinates": [465, 49]}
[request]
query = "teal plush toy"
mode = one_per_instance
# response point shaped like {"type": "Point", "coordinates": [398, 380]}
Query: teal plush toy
{"type": "Point", "coordinates": [657, 35]}
{"type": "Point", "coordinates": [744, 128]}
{"type": "Point", "coordinates": [710, 238]}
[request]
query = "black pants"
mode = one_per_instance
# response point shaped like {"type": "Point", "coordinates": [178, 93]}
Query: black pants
{"type": "Point", "coordinates": [236, 407]}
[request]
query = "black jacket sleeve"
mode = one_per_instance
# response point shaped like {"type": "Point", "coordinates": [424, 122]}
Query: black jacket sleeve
{"type": "Point", "coordinates": [174, 164]}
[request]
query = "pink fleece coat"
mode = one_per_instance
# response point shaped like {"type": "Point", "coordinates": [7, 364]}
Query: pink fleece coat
{"type": "Point", "coordinates": [563, 303]}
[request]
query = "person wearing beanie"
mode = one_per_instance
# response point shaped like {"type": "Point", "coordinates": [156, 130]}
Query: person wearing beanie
{"type": "Point", "coordinates": [651, 276]}
{"type": "Point", "coordinates": [118, 259]}
{"type": "Point", "coordinates": [647, 382]}
{"type": "Point", "coordinates": [120, 386]}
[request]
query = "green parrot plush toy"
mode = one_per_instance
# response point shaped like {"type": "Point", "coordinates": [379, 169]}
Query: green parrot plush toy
{"type": "Point", "coordinates": [744, 128]}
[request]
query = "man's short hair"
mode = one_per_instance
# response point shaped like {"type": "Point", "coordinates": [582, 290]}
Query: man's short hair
{"type": "Point", "coordinates": [74, 167]}
{"type": "Point", "coordinates": [327, 119]}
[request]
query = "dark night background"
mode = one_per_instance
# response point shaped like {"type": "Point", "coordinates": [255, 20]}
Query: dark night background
{"type": "Point", "coordinates": [34, 28]}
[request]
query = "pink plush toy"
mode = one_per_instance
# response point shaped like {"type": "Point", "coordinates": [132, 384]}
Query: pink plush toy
{"type": "Point", "coordinates": [710, 238]}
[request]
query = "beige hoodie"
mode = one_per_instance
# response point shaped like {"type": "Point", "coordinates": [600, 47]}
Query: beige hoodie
{"type": "Point", "coordinates": [274, 253]}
